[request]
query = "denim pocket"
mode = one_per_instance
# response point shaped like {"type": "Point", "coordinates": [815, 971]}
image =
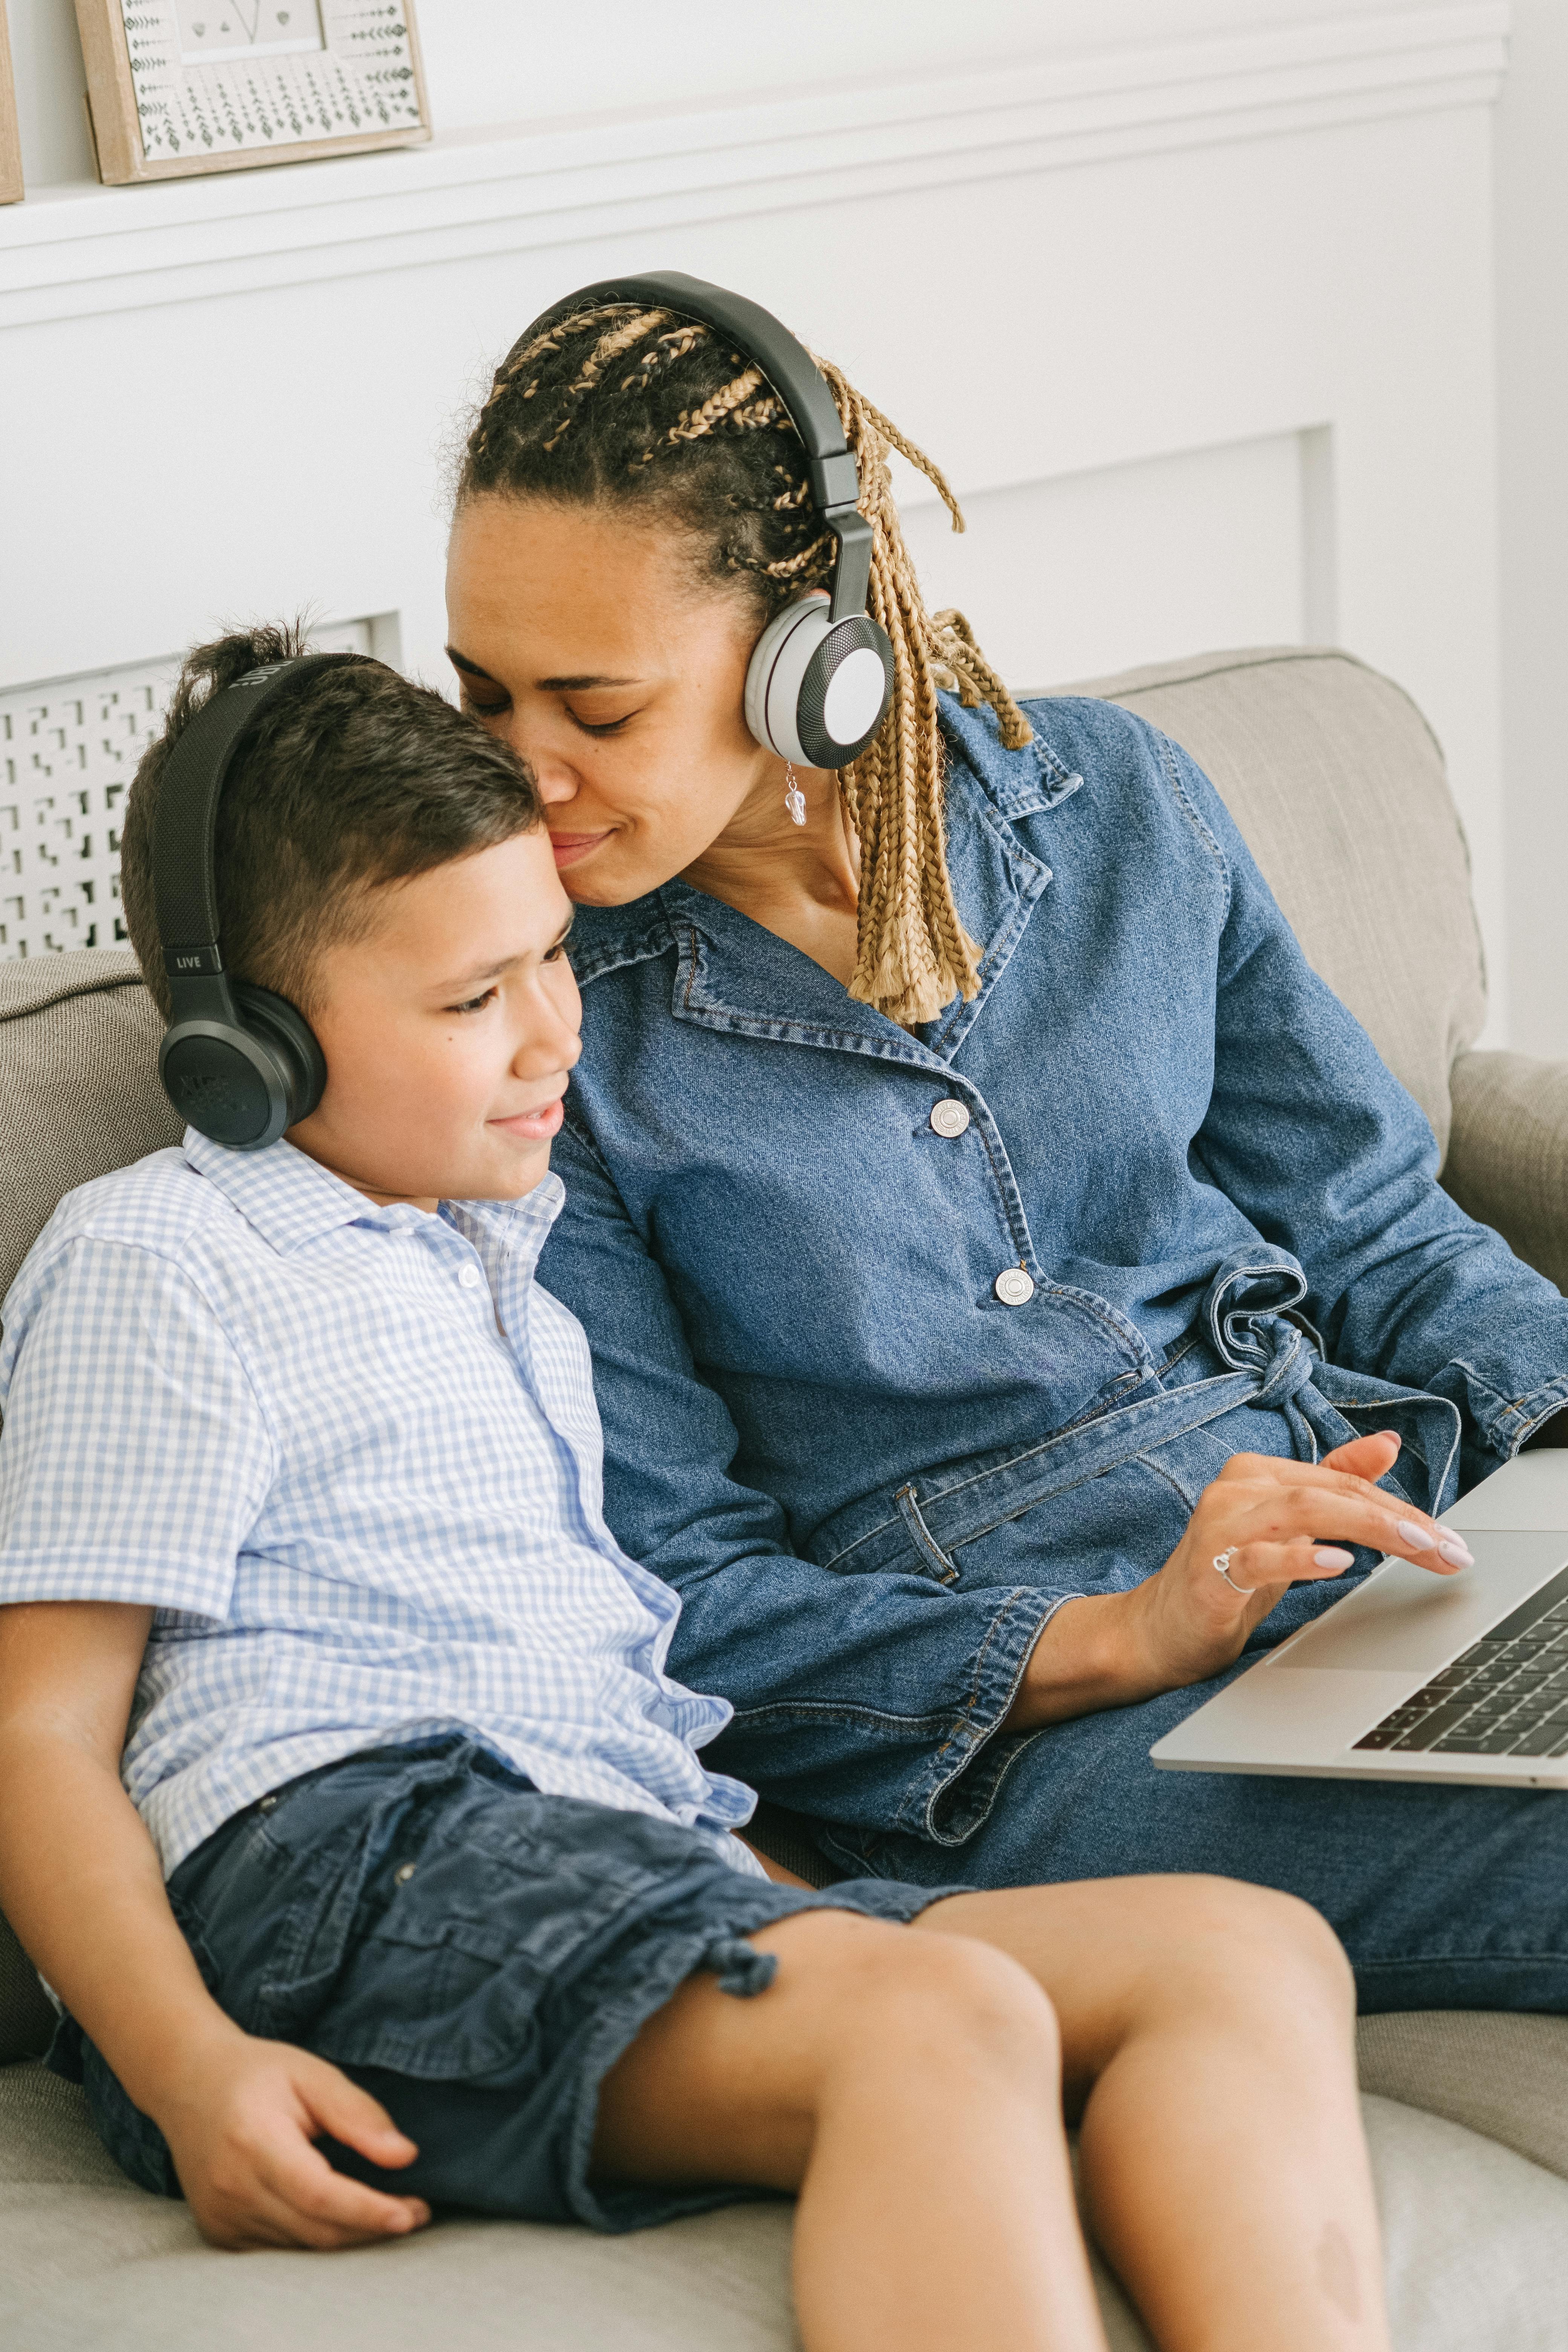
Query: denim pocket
{"type": "Point", "coordinates": [475, 1908]}
{"type": "Point", "coordinates": [1101, 1535]}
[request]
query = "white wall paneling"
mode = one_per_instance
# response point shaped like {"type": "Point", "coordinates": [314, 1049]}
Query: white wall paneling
{"type": "Point", "coordinates": [1532, 359]}
{"type": "Point", "coordinates": [80, 252]}
{"type": "Point", "coordinates": [1079, 572]}
{"type": "Point", "coordinates": [1199, 327]}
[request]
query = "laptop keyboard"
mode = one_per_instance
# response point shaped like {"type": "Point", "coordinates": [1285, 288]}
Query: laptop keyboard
{"type": "Point", "coordinates": [1507, 1694]}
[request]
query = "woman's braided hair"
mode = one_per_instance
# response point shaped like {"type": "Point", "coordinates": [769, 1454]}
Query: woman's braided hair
{"type": "Point", "coordinates": [621, 403]}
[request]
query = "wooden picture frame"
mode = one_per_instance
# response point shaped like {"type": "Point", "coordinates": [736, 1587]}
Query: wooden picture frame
{"type": "Point", "coordinates": [180, 87]}
{"type": "Point", "coordinates": [10, 137]}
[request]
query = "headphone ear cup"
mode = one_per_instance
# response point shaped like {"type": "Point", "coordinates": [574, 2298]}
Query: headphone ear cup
{"type": "Point", "coordinates": [844, 696]}
{"type": "Point", "coordinates": [779, 661]}
{"type": "Point", "coordinates": [817, 689]}
{"type": "Point", "coordinates": [280, 1028]}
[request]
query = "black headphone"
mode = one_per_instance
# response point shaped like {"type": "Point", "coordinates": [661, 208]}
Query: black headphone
{"type": "Point", "coordinates": [821, 674]}
{"type": "Point", "coordinates": [238, 1064]}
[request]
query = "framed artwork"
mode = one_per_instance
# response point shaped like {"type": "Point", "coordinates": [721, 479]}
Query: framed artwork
{"type": "Point", "coordinates": [10, 143]}
{"type": "Point", "coordinates": [178, 87]}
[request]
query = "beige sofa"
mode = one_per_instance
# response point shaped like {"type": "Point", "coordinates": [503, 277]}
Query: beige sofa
{"type": "Point", "coordinates": [1339, 785]}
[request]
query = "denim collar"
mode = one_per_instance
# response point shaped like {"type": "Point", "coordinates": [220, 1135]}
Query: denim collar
{"type": "Point", "coordinates": [733, 973]}
{"type": "Point", "coordinates": [1019, 783]}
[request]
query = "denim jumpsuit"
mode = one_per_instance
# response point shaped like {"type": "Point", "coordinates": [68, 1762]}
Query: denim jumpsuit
{"type": "Point", "coordinates": [902, 1340]}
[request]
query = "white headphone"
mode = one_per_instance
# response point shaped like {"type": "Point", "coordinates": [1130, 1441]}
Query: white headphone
{"type": "Point", "coordinates": [821, 674]}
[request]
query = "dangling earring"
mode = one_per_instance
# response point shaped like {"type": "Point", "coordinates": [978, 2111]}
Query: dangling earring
{"type": "Point", "coordinates": [794, 799]}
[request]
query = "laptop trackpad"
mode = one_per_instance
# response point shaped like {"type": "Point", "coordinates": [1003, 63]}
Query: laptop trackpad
{"type": "Point", "coordinates": [1406, 1617]}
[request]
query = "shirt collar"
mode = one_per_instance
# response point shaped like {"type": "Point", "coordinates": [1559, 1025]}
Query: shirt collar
{"type": "Point", "coordinates": [290, 1199]}
{"type": "Point", "coordinates": [509, 1234]}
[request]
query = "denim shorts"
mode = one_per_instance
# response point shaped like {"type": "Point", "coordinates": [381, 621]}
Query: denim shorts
{"type": "Point", "coordinates": [476, 1956]}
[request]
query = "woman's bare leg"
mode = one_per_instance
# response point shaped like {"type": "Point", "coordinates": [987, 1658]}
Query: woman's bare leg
{"type": "Point", "coordinates": [908, 2087]}
{"type": "Point", "coordinates": [1208, 2034]}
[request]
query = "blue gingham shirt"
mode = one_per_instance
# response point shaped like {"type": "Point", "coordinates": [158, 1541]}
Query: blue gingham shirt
{"type": "Point", "coordinates": [350, 1457]}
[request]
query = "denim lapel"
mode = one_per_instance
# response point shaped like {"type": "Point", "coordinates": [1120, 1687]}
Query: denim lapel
{"type": "Point", "coordinates": [731, 975]}
{"type": "Point", "coordinates": [996, 883]}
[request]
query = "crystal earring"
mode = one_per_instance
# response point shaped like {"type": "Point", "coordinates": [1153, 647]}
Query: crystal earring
{"type": "Point", "coordinates": [794, 799]}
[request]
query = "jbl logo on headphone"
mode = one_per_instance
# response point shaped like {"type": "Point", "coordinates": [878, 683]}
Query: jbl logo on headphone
{"type": "Point", "coordinates": [204, 1097]}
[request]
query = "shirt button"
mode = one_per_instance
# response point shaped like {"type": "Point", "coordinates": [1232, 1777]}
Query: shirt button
{"type": "Point", "coordinates": [469, 1278]}
{"type": "Point", "coordinates": [404, 1875]}
{"type": "Point", "coordinates": [1014, 1287]}
{"type": "Point", "coordinates": [950, 1116]}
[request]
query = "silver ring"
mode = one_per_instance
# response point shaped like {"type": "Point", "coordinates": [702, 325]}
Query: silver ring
{"type": "Point", "coordinates": [1222, 1565]}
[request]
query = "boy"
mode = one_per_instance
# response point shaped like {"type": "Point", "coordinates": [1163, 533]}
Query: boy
{"type": "Point", "coordinates": [347, 1806]}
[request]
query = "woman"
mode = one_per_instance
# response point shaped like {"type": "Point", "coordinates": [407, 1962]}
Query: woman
{"type": "Point", "coordinates": [1020, 1294]}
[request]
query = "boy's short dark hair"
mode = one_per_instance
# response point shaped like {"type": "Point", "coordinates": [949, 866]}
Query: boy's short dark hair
{"type": "Point", "coordinates": [357, 779]}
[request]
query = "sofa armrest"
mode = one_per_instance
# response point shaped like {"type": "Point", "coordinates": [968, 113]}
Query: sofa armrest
{"type": "Point", "coordinates": [1508, 1153]}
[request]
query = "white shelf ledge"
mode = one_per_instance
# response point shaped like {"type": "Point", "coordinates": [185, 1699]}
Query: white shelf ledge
{"type": "Point", "coordinates": [77, 251]}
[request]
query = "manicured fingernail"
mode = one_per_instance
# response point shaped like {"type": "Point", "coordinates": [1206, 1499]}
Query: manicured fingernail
{"type": "Point", "coordinates": [1457, 1554]}
{"type": "Point", "coordinates": [1330, 1556]}
{"type": "Point", "coordinates": [1409, 1533]}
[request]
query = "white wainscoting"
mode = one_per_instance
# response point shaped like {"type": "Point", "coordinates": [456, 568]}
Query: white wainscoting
{"type": "Point", "coordinates": [1077, 574]}
{"type": "Point", "coordinates": [1201, 331]}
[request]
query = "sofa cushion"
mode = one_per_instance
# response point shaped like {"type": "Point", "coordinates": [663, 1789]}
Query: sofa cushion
{"type": "Point", "coordinates": [79, 1082]}
{"type": "Point", "coordinates": [1503, 2075]}
{"type": "Point", "coordinates": [1477, 2257]}
{"type": "Point", "coordinates": [1337, 785]}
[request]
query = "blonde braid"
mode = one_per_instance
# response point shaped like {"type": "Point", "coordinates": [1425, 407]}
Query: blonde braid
{"type": "Point", "coordinates": [610, 345]}
{"type": "Point", "coordinates": [913, 954]}
{"type": "Point", "coordinates": [527, 355]}
{"type": "Point", "coordinates": [694, 423]}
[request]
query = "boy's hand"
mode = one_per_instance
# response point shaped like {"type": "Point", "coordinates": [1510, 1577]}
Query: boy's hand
{"type": "Point", "coordinates": [241, 2127]}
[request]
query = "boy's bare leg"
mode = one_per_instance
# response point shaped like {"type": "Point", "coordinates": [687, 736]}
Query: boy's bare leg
{"type": "Point", "coordinates": [1206, 2031]}
{"type": "Point", "coordinates": [1207, 2037]}
{"type": "Point", "coordinates": [908, 2087]}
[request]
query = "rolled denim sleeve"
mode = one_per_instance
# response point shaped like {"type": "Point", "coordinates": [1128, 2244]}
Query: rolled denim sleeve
{"type": "Point", "coordinates": [1323, 1149]}
{"type": "Point", "coordinates": [862, 1699]}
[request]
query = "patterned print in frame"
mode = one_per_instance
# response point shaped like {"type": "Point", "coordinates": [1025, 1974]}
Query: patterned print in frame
{"type": "Point", "coordinates": [179, 87]}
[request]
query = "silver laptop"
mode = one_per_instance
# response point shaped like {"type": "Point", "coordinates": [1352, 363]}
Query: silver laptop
{"type": "Point", "coordinates": [1420, 1678]}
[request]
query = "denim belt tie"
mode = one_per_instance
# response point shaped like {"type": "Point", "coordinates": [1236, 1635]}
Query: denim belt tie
{"type": "Point", "coordinates": [1271, 1360]}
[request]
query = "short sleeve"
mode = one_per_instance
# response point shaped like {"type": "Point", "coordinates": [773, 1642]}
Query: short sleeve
{"type": "Point", "coordinates": [134, 1455]}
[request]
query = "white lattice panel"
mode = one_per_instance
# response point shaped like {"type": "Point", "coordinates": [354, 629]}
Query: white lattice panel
{"type": "Point", "coordinates": [68, 752]}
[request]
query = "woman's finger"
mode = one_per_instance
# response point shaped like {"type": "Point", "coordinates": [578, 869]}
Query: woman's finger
{"type": "Point", "coordinates": [1372, 1456]}
{"type": "Point", "coordinates": [1347, 1511]}
{"type": "Point", "coordinates": [1255, 1567]}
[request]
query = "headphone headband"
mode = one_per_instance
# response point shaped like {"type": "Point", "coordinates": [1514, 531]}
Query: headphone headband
{"type": "Point", "coordinates": [184, 830]}
{"type": "Point", "coordinates": [792, 374]}
{"type": "Point", "coordinates": [238, 1062]}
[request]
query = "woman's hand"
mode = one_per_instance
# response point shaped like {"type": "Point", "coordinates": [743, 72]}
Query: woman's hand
{"type": "Point", "coordinates": [1277, 1523]}
{"type": "Point", "coordinates": [241, 2125]}
{"type": "Point", "coordinates": [1274, 1524]}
